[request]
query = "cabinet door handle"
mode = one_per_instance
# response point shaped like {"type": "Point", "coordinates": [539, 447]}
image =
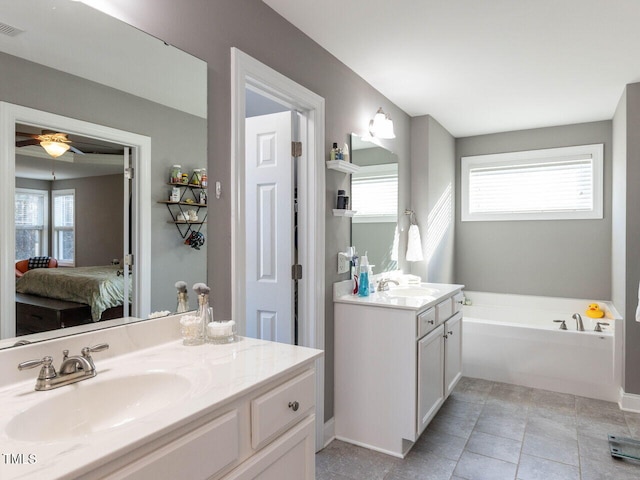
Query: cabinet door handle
{"type": "Point", "coordinates": [294, 406]}
{"type": "Point", "coordinates": [431, 322]}
{"type": "Point", "coordinates": [450, 332]}
{"type": "Point", "coordinates": [445, 336]}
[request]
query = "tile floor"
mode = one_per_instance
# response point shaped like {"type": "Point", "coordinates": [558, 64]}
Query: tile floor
{"type": "Point", "coordinates": [494, 431]}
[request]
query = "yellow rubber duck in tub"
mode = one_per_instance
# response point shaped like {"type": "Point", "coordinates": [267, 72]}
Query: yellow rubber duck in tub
{"type": "Point", "coordinates": [593, 311]}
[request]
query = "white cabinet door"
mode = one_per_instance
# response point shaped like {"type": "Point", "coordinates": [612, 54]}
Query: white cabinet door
{"type": "Point", "coordinates": [430, 376]}
{"type": "Point", "coordinates": [453, 352]}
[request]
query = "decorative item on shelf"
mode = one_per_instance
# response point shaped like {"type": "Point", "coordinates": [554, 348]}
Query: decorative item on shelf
{"type": "Point", "coordinates": [185, 178]}
{"type": "Point", "coordinates": [196, 178]}
{"type": "Point", "coordinates": [342, 202]}
{"type": "Point", "coordinates": [175, 195]}
{"type": "Point", "coordinates": [381, 125]}
{"type": "Point", "coordinates": [193, 215]}
{"type": "Point", "coordinates": [181, 217]}
{"type": "Point", "coordinates": [195, 240]}
{"type": "Point", "coordinates": [183, 298]}
{"type": "Point", "coordinates": [176, 174]}
{"type": "Point", "coordinates": [203, 197]}
{"type": "Point", "coordinates": [204, 179]}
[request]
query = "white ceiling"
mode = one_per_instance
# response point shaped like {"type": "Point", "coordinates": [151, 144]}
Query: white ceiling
{"type": "Point", "coordinates": [483, 66]}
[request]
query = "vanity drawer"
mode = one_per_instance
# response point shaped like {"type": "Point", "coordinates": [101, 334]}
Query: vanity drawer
{"type": "Point", "coordinates": [278, 409]}
{"type": "Point", "coordinates": [444, 310]}
{"type": "Point", "coordinates": [457, 300]}
{"type": "Point", "coordinates": [200, 453]}
{"type": "Point", "coordinates": [426, 321]}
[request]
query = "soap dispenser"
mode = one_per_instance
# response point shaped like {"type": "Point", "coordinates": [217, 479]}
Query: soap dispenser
{"type": "Point", "coordinates": [363, 280]}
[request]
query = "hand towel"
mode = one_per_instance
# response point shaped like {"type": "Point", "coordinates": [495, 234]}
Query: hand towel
{"type": "Point", "coordinates": [414, 245]}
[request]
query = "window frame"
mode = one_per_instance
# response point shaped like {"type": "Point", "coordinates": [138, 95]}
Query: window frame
{"type": "Point", "coordinates": [547, 155]}
{"type": "Point", "coordinates": [55, 230]}
{"type": "Point", "coordinates": [44, 231]}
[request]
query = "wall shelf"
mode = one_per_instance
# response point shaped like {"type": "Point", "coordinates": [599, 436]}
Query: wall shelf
{"type": "Point", "coordinates": [186, 227]}
{"type": "Point", "coordinates": [340, 212]}
{"type": "Point", "coordinates": [342, 166]}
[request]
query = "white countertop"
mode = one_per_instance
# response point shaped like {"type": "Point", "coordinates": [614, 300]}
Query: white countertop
{"type": "Point", "coordinates": [385, 299]}
{"type": "Point", "coordinates": [217, 373]}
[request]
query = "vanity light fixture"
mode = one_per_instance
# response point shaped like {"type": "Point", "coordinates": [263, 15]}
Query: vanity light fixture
{"type": "Point", "coordinates": [55, 144]}
{"type": "Point", "coordinates": [381, 125]}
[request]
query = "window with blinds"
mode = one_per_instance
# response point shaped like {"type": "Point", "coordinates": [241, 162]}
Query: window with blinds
{"type": "Point", "coordinates": [31, 222]}
{"type": "Point", "coordinates": [63, 231]}
{"type": "Point", "coordinates": [374, 193]}
{"type": "Point", "coordinates": [550, 184]}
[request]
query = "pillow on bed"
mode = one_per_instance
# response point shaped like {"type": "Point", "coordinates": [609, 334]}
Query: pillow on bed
{"type": "Point", "coordinates": [39, 262]}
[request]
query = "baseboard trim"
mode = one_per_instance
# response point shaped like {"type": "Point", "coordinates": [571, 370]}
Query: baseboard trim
{"type": "Point", "coordinates": [329, 431]}
{"type": "Point", "coordinates": [629, 402]}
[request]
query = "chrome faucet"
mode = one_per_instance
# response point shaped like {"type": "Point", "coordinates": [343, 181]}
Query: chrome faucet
{"type": "Point", "coordinates": [73, 369]}
{"type": "Point", "coordinates": [383, 284]}
{"type": "Point", "coordinates": [579, 324]}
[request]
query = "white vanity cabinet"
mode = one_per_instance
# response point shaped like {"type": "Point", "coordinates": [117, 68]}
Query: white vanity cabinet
{"type": "Point", "coordinates": [266, 434]}
{"type": "Point", "coordinates": [394, 368]}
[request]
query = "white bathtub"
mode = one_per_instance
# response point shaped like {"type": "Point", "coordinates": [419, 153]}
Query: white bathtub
{"type": "Point", "coordinates": [513, 339]}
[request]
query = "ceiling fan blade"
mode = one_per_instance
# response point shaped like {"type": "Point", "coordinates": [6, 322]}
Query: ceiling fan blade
{"type": "Point", "coordinates": [30, 135]}
{"type": "Point", "coordinates": [75, 150]}
{"type": "Point", "coordinates": [25, 143]}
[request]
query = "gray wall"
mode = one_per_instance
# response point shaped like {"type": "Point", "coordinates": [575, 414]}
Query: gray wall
{"type": "Point", "coordinates": [99, 205]}
{"type": "Point", "coordinates": [570, 258]}
{"type": "Point", "coordinates": [432, 197]}
{"type": "Point", "coordinates": [176, 137]}
{"type": "Point", "coordinates": [208, 30]}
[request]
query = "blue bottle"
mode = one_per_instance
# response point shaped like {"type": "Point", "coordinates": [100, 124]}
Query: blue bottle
{"type": "Point", "coordinates": [363, 279]}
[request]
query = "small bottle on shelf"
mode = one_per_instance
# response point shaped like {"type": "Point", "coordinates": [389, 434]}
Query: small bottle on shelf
{"type": "Point", "coordinates": [334, 152]}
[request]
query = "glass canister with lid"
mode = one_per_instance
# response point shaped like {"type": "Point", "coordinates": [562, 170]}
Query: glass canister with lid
{"type": "Point", "coordinates": [204, 179]}
{"type": "Point", "coordinates": [196, 178]}
{"type": "Point", "coordinates": [176, 174]}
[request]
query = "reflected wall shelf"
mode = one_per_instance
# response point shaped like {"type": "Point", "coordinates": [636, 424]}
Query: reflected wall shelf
{"type": "Point", "coordinates": [176, 208]}
{"type": "Point", "coordinates": [342, 166]}
{"type": "Point", "coordinates": [340, 212]}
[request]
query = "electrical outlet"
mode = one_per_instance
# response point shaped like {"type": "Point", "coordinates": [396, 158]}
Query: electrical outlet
{"type": "Point", "coordinates": [344, 263]}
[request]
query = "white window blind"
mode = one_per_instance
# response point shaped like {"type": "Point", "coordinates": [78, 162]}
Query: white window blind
{"type": "Point", "coordinates": [31, 208]}
{"type": "Point", "coordinates": [563, 183]}
{"type": "Point", "coordinates": [64, 226]}
{"type": "Point", "coordinates": [374, 193]}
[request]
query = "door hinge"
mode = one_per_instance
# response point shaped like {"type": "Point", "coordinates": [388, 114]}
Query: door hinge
{"type": "Point", "coordinates": [296, 149]}
{"type": "Point", "coordinates": [296, 272]}
{"type": "Point", "coordinates": [128, 173]}
{"type": "Point", "coordinates": [128, 259]}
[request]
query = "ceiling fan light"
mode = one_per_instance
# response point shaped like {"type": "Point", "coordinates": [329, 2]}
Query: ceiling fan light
{"type": "Point", "coordinates": [55, 149]}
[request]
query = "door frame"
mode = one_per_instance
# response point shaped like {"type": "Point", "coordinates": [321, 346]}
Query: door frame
{"type": "Point", "coordinates": [247, 72]}
{"type": "Point", "coordinates": [11, 114]}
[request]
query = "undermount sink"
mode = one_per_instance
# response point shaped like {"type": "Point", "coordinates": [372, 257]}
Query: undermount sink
{"type": "Point", "coordinates": [412, 291]}
{"type": "Point", "coordinates": [93, 406]}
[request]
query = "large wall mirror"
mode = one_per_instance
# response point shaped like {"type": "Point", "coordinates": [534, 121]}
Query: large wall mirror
{"type": "Point", "coordinates": [374, 197]}
{"type": "Point", "coordinates": [122, 99]}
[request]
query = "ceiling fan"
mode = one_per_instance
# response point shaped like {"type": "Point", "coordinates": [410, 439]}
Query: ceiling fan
{"type": "Point", "coordinates": [55, 143]}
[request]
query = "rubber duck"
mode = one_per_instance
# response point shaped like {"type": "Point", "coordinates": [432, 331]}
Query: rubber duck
{"type": "Point", "coordinates": [593, 311]}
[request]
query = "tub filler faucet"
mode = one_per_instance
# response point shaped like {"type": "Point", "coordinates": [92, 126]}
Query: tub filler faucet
{"type": "Point", "coordinates": [579, 324]}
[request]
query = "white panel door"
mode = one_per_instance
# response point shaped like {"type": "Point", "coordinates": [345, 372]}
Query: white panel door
{"type": "Point", "coordinates": [269, 227]}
